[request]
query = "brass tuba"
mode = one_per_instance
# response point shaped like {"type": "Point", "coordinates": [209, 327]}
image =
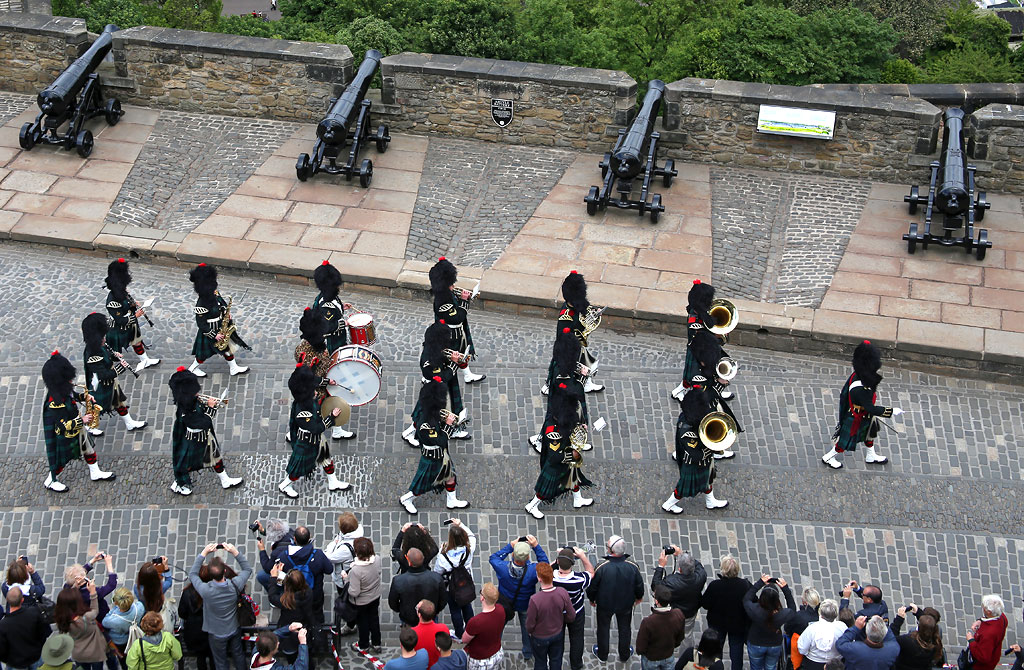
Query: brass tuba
{"type": "Point", "coordinates": [717, 431]}
{"type": "Point", "coordinates": [726, 368]}
{"type": "Point", "coordinates": [725, 315]}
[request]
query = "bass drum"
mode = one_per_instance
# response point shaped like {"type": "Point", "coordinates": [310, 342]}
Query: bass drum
{"type": "Point", "coordinates": [356, 374]}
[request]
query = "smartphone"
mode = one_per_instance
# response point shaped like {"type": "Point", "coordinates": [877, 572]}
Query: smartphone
{"type": "Point", "coordinates": [448, 522]}
{"type": "Point", "coordinates": [158, 560]}
{"type": "Point", "coordinates": [522, 538]}
{"type": "Point", "coordinates": [24, 559]}
{"type": "Point", "coordinates": [220, 546]}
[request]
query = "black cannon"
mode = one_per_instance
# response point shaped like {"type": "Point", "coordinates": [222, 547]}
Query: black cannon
{"type": "Point", "coordinates": [627, 161]}
{"type": "Point", "coordinates": [73, 98]}
{"type": "Point", "coordinates": [954, 196]}
{"type": "Point", "coordinates": [343, 124]}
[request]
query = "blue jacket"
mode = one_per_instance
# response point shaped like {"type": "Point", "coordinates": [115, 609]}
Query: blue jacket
{"type": "Point", "coordinates": [118, 623]}
{"type": "Point", "coordinates": [507, 583]}
{"type": "Point", "coordinates": [869, 610]}
{"type": "Point", "coordinates": [859, 656]}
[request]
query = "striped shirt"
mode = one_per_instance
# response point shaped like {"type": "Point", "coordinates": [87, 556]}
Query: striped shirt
{"type": "Point", "coordinates": [574, 583]}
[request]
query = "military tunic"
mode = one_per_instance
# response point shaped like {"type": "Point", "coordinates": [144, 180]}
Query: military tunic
{"type": "Point", "coordinates": [64, 431]}
{"type": "Point", "coordinates": [307, 427]}
{"type": "Point", "coordinates": [194, 442]}
{"type": "Point", "coordinates": [443, 369]}
{"type": "Point", "coordinates": [560, 467]}
{"type": "Point", "coordinates": [858, 415]}
{"type": "Point", "coordinates": [208, 320]}
{"type": "Point", "coordinates": [696, 462]}
{"type": "Point", "coordinates": [125, 330]}
{"type": "Point", "coordinates": [334, 313]}
{"type": "Point", "coordinates": [435, 467]}
{"type": "Point", "coordinates": [101, 371]}
{"type": "Point", "coordinates": [455, 317]}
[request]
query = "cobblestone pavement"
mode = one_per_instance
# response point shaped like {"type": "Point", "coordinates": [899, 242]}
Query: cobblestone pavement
{"type": "Point", "coordinates": [778, 237]}
{"type": "Point", "coordinates": [12, 104]}
{"type": "Point", "coordinates": [946, 510]}
{"type": "Point", "coordinates": [190, 164]}
{"type": "Point", "coordinates": [475, 196]}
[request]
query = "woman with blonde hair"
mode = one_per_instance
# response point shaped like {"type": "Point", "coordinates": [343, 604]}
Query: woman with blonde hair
{"type": "Point", "coordinates": [127, 612]}
{"type": "Point", "coordinates": [158, 649]}
{"type": "Point", "coordinates": [457, 552]}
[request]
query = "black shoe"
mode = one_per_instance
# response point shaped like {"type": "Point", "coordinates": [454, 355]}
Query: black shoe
{"type": "Point", "coordinates": [623, 660]}
{"type": "Point", "coordinates": [594, 651]}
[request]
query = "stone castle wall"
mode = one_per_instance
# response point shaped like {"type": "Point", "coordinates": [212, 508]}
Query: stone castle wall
{"type": "Point", "coordinates": [35, 48]}
{"type": "Point", "coordinates": [553, 105]}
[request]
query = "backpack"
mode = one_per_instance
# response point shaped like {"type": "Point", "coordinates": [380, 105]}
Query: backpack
{"type": "Point", "coordinates": [459, 582]}
{"type": "Point", "coordinates": [135, 634]}
{"type": "Point", "coordinates": [307, 573]}
{"type": "Point", "coordinates": [43, 604]}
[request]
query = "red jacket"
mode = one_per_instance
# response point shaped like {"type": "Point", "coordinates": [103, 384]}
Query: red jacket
{"type": "Point", "coordinates": [987, 645]}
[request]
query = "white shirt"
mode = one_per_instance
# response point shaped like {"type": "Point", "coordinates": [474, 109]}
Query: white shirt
{"type": "Point", "coordinates": [818, 641]}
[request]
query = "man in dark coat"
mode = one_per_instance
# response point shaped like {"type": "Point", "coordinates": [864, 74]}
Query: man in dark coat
{"type": "Point", "coordinates": [22, 632]}
{"type": "Point", "coordinates": [417, 583]}
{"type": "Point", "coordinates": [617, 587]}
{"type": "Point", "coordinates": [685, 584]}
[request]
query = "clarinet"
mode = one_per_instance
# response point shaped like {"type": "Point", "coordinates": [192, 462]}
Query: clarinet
{"type": "Point", "coordinates": [135, 308]}
{"type": "Point", "coordinates": [120, 359]}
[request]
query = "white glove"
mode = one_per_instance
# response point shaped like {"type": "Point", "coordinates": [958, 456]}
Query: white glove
{"type": "Point", "coordinates": [896, 411]}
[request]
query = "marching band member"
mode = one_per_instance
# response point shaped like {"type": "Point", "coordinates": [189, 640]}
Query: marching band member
{"type": "Point", "coordinates": [102, 367]}
{"type": "Point", "coordinates": [125, 313]}
{"type": "Point", "coordinates": [858, 413]}
{"type": "Point", "coordinates": [560, 460]}
{"type": "Point", "coordinates": [63, 427]}
{"type": "Point", "coordinates": [314, 352]}
{"type": "Point", "coordinates": [706, 349]}
{"type": "Point", "coordinates": [435, 363]}
{"type": "Point", "coordinates": [211, 311]}
{"type": "Point", "coordinates": [194, 443]}
{"type": "Point", "coordinates": [306, 426]}
{"type": "Point", "coordinates": [696, 462]}
{"type": "Point", "coordinates": [698, 318]}
{"type": "Point", "coordinates": [565, 381]}
{"type": "Point", "coordinates": [328, 281]}
{"type": "Point", "coordinates": [435, 471]}
{"type": "Point", "coordinates": [448, 310]}
{"type": "Point", "coordinates": [573, 315]}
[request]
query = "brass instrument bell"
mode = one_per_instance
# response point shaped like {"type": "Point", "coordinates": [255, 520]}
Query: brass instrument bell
{"type": "Point", "coordinates": [725, 315]}
{"type": "Point", "coordinates": [717, 431]}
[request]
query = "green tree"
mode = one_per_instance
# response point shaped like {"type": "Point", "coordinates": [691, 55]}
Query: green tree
{"type": "Point", "coordinates": [967, 26]}
{"type": "Point", "coordinates": [900, 71]}
{"type": "Point", "coordinates": [371, 32]}
{"type": "Point", "coordinates": [970, 64]}
{"type": "Point", "coordinates": [547, 32]}
{"type": "Point", "coordinates": [479, 28]}
{"type": "Point", "coordinates": [192, 14]}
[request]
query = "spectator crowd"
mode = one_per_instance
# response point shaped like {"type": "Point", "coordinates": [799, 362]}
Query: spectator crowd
{"type": "Point", "coordinates": [449, 622]}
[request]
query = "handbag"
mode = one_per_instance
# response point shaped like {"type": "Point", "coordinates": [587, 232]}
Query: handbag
{"type": "Point", "coordinates": [246, 608]}
{"type": "Point", "coordinates": [344, 610]}
{"type": "Point", "coordinates": [510, 604]}
{"type": "Point", "coordinates": [44, 605]}
{"type": "Point", "coordinates": [965, 661]}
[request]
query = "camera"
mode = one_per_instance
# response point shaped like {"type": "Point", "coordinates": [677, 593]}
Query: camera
{"type": "Point", "coordinates": [447, 522]}
{"type": "Point", "coordinates": [158, 560]}
{"type": "Point", "coordinates": [668, 549]}
{"type": "Point", "coordinates": [255, 527]}
{"type": "Point", "coordinates": [220, 546]}
{"type": "Point", "coordinates": [522, 538]}
{"type": "Point", "coordinates": [24, 559]}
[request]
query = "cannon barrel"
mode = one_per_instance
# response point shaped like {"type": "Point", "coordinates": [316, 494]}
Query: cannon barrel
{"type": "Point", "coordinates": [333, 129]}
{"type": "Point", "coordinates": [628, 160]}
{"type": "Point", "coordinates": [953, 198]}
{"type": "Point", "coordinates": [59, 96]}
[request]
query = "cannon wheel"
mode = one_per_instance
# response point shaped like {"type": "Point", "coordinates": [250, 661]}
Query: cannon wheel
{"type": "Point", "coordinates": [912, 239]}
{"type": "Point", "coordinates": [979, 207]}
{"type": "Point", "coordinates": [26, 138]}
{"type": "Point", "coordinates": [591, 201]}
{"type": "Point", "coordinates": [655, 207]}
{"type": "Point", "coordinates": [982, 245]}
{"type": "Point", "coordinates": [382, 139]}
{"type": "Point", "coordinates": [302, 168]}
{"type": "Point", "coordinates": [112, 112]}
{"type": "Point", "coordinates": [670, 165]}
{"type": "Point", "coordinates": [913, 201]}
{"type": "Point", "coordinates": [605, 164]}
{"type": "Point", "coordinates": [84, 143]}
{"type": "Point", "coordinates": [366, 173]}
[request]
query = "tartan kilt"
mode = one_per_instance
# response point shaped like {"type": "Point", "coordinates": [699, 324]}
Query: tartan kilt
{"type": "Point", "coordinates": [119, 340]}
{"type": "Point", "coordinates": [557, 479]}
{"type": "Point", "coordinates": [847, 442]}
{"type": "Point", "coordinates": [694, 479]}
{"type": "Point", "coordinates": [336, 340]}
{"type": "Point", "coordinates": [109, 396]}
{"type": "Point", "coordinates": [191, 455]}
{"type": "Point", "coordinates": [62, 450]}
{"type": "Point", "coordinates": [690, 367]}
{"type": "Point", "coordinates": [431, 474]}
{"type": "Point", "coordinates": [303, 459]}
{"type": "Point", "coordinates": [203, 348]}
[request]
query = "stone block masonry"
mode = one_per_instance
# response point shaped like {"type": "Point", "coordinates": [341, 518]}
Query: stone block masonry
{"type": "Point", "coordinates": [34, 49]}
{"type": "Point", "coordinates": [227, 74]}
{"type": "Point", "coordinates": [554, 105]}
{"type": "Point", "coordinates": [876, 137]}
{"type": "Point", "coordinates": [996, 142]}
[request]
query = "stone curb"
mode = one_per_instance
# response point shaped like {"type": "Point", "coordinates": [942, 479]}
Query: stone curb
{"type": "Point", "coordinates": [922, 344]}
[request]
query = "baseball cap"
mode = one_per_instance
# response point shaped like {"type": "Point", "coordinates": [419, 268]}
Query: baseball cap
{"type": "Point", "coordinates": [566, 558]}
{"type": "Point", "coordinates": [521, 552]}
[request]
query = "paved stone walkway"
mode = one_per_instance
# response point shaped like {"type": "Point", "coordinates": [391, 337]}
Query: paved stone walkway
{"type": "Point", "coordinates": [946, 510]}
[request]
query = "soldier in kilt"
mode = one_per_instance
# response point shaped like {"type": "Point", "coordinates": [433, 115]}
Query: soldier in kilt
{"type": "Point", "coordinates": [313, 351]}
{"type": "Point", "coordinates": [102, 369]}
{"type": "Point", "coordinates": [328, 281]}
{"type": "Point", "coordinates": [698, 318]}
{"type": "Point", "coordinates": [194, 443]}
{"type": "Point", "coordinates": [210, 311]}
{"type": "Point", "coordinates": [125, 312]}
{"type": "Point", "coordinates": [560, 459]}
{"type": "Point", "coordinates": [564, 381]}
{"type": "Point", "coordinates": [858, 413]}
{"type": "Point", "coordinates": [435, 471]}
{"type": "Point", "coordinates": [449, 311]}
{"type": "Point", "coordinates": [574, 292]}
{"type": "Point", "coordinates": [63, 427]}
{"type": "Point", "coordinates": [435, 363]}
{"type": "Point", "coordinates": [695, 461]}
{"type": "Point", "coordinates": [706, 348]}
{"type": "Point", "coordinates": [307, 426]}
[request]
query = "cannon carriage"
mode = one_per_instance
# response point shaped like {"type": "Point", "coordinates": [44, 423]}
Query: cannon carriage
{"type": "Point", "coordinates": [347, 120]}
{"type": "Point", "coordinates": [635, 154]}
{"type": "Point", "coordinates": [73, 98]}
{"type": "Point", "coordinates": [951, 193]}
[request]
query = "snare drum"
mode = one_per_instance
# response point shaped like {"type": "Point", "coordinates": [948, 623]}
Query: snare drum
{"type": "Point", "coordinates": [361, 329]}
{"type": "Point", "coordinates": [356, 373]}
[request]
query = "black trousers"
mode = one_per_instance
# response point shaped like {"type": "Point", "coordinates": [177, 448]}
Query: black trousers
{"type": "Point", "coordinates": [574, 631]}
{"type": "Point", "coordinates": [368, 623]}
{"type": "Point", "coordinates": [623, 621]}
